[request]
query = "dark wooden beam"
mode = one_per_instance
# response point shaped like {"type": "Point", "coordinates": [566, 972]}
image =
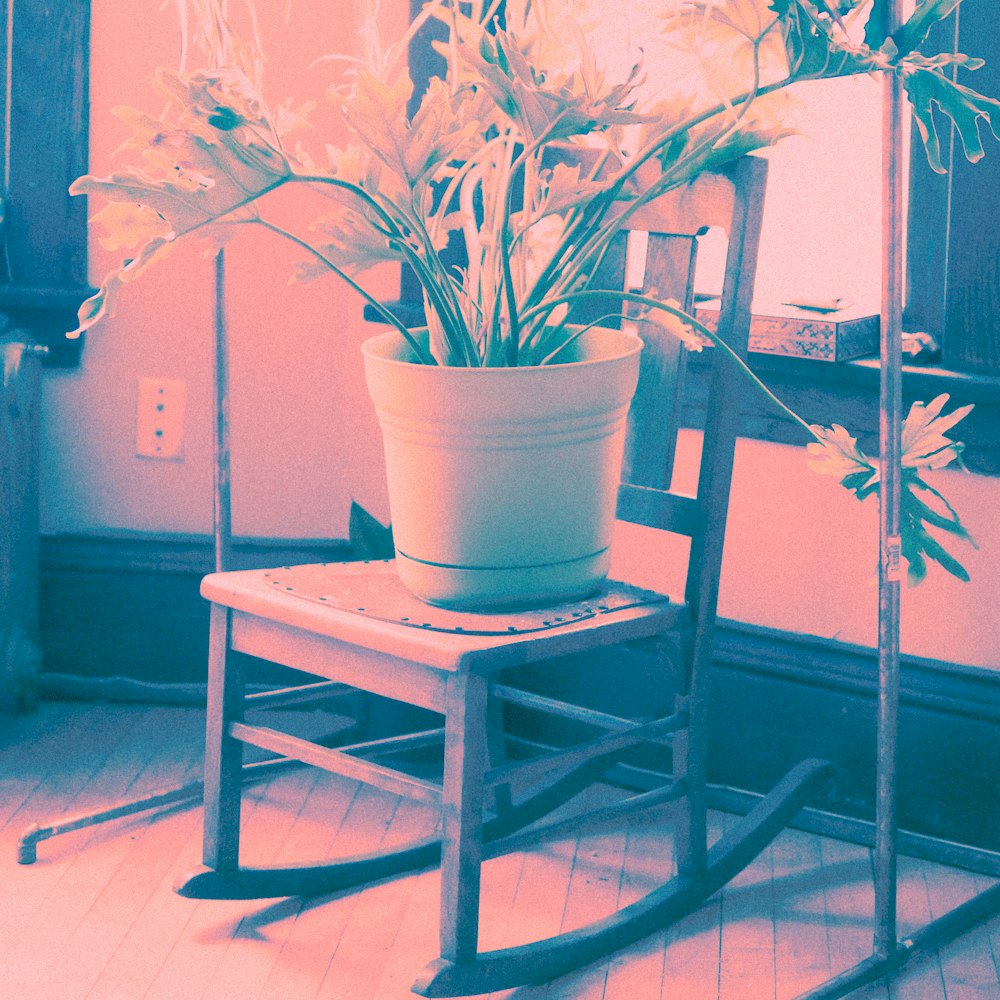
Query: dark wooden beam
{"type": "Point", "coordinates": [953, 267]}
{"type": "Point", "coordinates": [43, 267]}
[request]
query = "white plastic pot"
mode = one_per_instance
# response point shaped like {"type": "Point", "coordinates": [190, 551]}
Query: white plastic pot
{"type": "Point", "coordinates": [503, 481]}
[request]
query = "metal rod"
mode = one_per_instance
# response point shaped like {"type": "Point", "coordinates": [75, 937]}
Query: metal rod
{"type": "Point", "coordinates": [223, 515]}
{"type": "Point", "coordinates": [934, 935]}
{"type": "Point", "coordinates": [302, 693]}
{"type": "Point", "coordinates": [223, 537]}
{"type": "Point", "coordinates": [8, 89]}
{"type": "Point", "coordinates": [890, 399]}
{"type": "Point", "coordinates": [191, 793]}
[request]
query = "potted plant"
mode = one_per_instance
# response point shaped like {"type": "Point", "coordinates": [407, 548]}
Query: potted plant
{"type": "Point", "coordinates": [533, 161]}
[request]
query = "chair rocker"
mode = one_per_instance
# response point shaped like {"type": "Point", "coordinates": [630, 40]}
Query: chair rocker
{"type": "Point", "coordinates": [353, 623]}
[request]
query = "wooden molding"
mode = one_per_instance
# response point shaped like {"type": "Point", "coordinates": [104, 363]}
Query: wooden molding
{"type": "Point", "coordinates": [127, 606]}
{"type": "Point", "coordinates": [135, 551]}
{"type": "Point", "coordinates": [828, 664]}
{"type": "Point", "coordinates": [848, 390]}
{"type": "Point", "coordinates": [749, 650]}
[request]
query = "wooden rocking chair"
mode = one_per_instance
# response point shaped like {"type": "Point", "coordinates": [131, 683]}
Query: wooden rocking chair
{"type": "Point", "coordinates": [353, 623]}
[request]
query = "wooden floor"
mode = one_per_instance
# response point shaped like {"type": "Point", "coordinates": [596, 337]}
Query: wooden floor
{"type": "Point", "coordinates": [96, 918]}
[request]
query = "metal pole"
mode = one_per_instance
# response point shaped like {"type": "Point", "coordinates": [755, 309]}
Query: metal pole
{"type": "Point", "coordinates": [8, 72]}
{"type": "Point", "coordinates": [222, 531]}
{"type": "Point", "coordinates": [890, 398]}
{"type": "Point", "coordinates": [223, 517]}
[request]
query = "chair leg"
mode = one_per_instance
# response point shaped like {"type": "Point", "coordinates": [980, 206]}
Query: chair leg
{"type": "Point", "coordinates": [462, 815]}
{"type": "Point", "coordinates": [497, 746]}
{"type": "Point", "coordinates": [223, 754]}
{"type": "Point", "coordinates": [691, 835]}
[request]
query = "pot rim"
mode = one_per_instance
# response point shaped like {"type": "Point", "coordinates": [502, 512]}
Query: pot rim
{"type": "Point", "coordinates": [635, 345]}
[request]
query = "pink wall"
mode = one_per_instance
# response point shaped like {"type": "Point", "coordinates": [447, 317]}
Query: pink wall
{"type": "Point", "coordinates": [305, 440]}
{"type": "Point", "coordinates": [800, 553]}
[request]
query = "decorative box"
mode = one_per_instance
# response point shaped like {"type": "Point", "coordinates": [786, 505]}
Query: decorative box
{"type": "Point", "coordinates": [836, 335]}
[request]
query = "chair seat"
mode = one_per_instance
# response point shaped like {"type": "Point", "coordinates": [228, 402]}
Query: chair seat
{"type": "Point", "coordinates": [363, 603]}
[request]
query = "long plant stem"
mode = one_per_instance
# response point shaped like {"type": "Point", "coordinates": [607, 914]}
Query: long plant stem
{"type": "Point", "coordinates": [672, 176]}
{"type": "Point", "coordinates": [444, 305]}
{"type": "Point", "coordinates": [438, 283]}
{"type": "Point", "coordinates": [714, 338]}
{"type": "Point", "coordinates": [598, 236]}
{"type": "Point", "coordinates": [385, 313]}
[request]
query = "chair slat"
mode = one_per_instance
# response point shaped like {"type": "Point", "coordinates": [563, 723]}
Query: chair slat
{"type": "Point", "coordinates": [654, 508]}
{"type": "Point", "coordinates": [673, 222]}
{"type": "Point", "coordinates": [668, 273]}
{"type": "Point", "coordinates": [335, 761]}
{"type": "Point", "coordinates": [657, 731]}
{"type": "Point", "coordinates": [689, 210]}
{"type": "Point", "coordinates": [564, 709]}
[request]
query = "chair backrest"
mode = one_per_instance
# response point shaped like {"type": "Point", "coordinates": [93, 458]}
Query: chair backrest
{"type": "Point", "coordinates": [733, 201]}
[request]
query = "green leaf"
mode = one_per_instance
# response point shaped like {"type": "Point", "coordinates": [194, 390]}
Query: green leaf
{"type": "Point", "coordinates": [352, 241]}
{"type": "Point", "coordinates": [225, 119]}
{"type": "Point", "coordinates": [101, 303]}
{"type": "Point", "coordinates": [835, 452]}
{"type": "Point", "coordinates": [918, 545]}
{"type": "Point", "coordinates": [554, 102]}
{"type": "Point", "coordinates": [715, 20]}
{"type": "Point", "coordinates": [806, 44]}
{"type": "Point", "coordinates": [563, 189]}
{"type": "Point", "coordinates": [204, 163]}
{"type": "Point", "coordinates": [947, 519]}
{"type": "Point", "coordinates": [860, 483]}
{"type": "Point", "coordinates": [924, 444]}
{"type": "Point", "coordinates": [944, 558]}
{"type": "Point", "coordinates": [908, 36]}
{"type": "Point", "coordinates": [813, 48]}
{"type": "Point", "coordinates": [926, 86]}
{"type": "Point", "coordinates": [920, 22]}
{"type": "Point", "coordinates": [878, 20]}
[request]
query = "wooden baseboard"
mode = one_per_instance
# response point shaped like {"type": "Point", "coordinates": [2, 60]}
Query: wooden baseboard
{"type": "Point", "coordinates": [129, 606]}
{"type": "Point", "coordinates": [779, 698]}
{"type": "Point", "coordinates": [826, 664]}
{"type": "Point", "coordinates": [137, 552]}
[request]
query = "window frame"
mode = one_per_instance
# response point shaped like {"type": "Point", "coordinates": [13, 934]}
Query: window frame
{"type": "Point", "coordinates": [44, 91]}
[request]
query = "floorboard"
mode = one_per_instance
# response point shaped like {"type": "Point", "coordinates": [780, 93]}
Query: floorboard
{"type": "Point", "coordinates": [747, 943]}
{"type": "Point", "coordinates": [692, 956]}
{"type": "Point", "coordinates": [649, 861]}
{"type": "Point", "coordinates": [801, 949]}
{"type": "Point", "coordinates": [297, 969]}
{"type": "Point", "coordinates": [114, 874]}
{"type": "Point", "coordinates": [967, 967]}
{"type": "Point", "coordinates": [96, 917]}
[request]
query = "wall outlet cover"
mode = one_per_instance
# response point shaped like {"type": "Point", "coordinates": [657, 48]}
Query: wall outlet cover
{"type": "Point", "coordinates": [159, 429]}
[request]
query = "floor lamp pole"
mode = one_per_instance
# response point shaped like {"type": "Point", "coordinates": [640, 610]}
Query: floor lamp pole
{"type": "Point", "coordinates": [222, 501]}
{"type": "Point", "coordinates": [890, 561]}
